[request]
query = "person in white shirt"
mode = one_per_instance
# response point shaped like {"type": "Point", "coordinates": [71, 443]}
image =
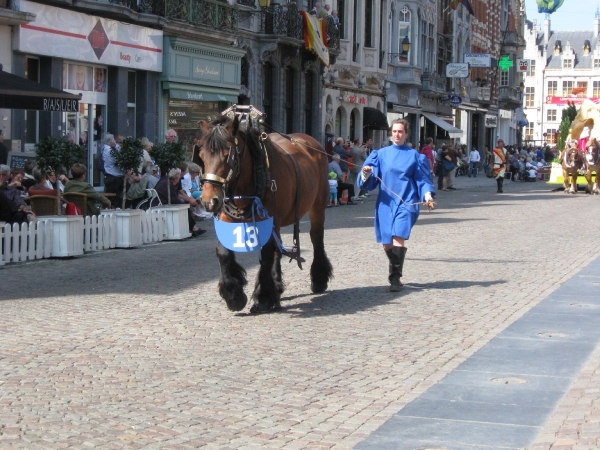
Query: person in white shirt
{"type": "Point", "coordinates": [474, 158]}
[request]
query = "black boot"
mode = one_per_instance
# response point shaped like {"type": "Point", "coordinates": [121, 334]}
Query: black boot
{"type": "Point", "coordinates": [396, 257]}
{"type": "Point", "coordinates": [499, 182]}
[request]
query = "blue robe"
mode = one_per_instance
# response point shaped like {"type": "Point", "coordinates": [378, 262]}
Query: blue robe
{"type": "Point", "coordinates": [407, 173]}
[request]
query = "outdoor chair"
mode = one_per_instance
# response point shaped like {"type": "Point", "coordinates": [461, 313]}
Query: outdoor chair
{"type": "Point", "coordinates": [145, 204]}
{"type": "Point", "coordinates": [43, 205]}
{"type": "Point", "coordinates": [79, 199]}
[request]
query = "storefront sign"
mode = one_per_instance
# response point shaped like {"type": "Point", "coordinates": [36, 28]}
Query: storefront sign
{"type": "Point", "coordinates": [478, 59]}
{"type": "Point", "coordinates": [505, 114]}
{"type": "Point", "coordinates": [71, 35]}
{"type": "Point", "coordinates": [457, 70]}
{"type": "Point", "coordinates": [351, 98]}
{"type": "Point", "coordinates": [491, 121]}
{"type": "Point", "coordinates": [553, 100]}
{"type": "Point", "coordinates": [454, 100]}
{"type": "Point", "coordinates": [522, 65]}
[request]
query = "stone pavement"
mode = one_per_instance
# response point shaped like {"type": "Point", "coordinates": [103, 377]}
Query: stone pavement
{"type": "Point", "coordinates": [135, 349]}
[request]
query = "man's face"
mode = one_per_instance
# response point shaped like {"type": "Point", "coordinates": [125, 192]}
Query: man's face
{"type": "Point", "coordinates": [171, 137]}
{"type": "Point", "coordinates": [500, 144]}
{"type": "Point", "coordinates": [398, 134]}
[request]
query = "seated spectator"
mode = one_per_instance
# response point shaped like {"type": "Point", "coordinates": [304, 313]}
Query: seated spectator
{"type": "Point", "coordinates": [136, 191]}
{"type": "Point", "coordinates": [78, 184]}
{"type": "Point", "coordinates": [41, 181]}
{"type": "Point", "coordinates": [28, 180]}
{"type": "Point", "coordinates": [171, 185]}
{"type": "Point", "coordinates": [16, 179]}
{"type": "Point", "coordinates": [147, 148]}
{"type": "Point", "coordinates": [334, 166]}
{"type": "Point", "coordinates": [12, 206]}
{"type": "Point", "coordinates": [57, 182]}
{"type": "Point", "coordinates": [148, 172]}
{"type": "Point", "coordinates": [195, 192]}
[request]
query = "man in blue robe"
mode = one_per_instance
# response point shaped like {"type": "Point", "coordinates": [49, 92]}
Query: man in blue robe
{"type": "Point", "coordinates": [406, 181]}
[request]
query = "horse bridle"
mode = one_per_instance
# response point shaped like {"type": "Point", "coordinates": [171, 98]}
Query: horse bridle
{"type": "Point", "coordinates": [233, 161]}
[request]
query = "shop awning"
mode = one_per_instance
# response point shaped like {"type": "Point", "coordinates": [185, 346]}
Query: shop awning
{"type": "Point", "coordinates": [195, 93]}
{"type": "Point", "coordinates": [374, 119]}
{"type": "Point", "coordinates": [452, 130]}
{"type": "Point", "coordinates": [20, 93]}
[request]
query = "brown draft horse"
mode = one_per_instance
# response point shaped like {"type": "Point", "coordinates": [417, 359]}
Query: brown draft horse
{"type": "Point", "coordinates": [571, 161]}
{"type": "Point", "coordinates": [592, 163]}
{"type": "Point", "coordinates": [231, 156]}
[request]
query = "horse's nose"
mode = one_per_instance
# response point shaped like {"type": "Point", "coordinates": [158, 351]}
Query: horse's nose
{"type": "Point", "coordinates": [214, 204]}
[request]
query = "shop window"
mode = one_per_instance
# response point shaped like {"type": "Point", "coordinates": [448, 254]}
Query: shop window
{"type": "Point", "coordinates": [551, 115]}
{"type": "Point", "coordinates": [131, 97]}
{"type": "Point", "coordinates": [31, 119]}
{"type": "Point", "coordinates": [552, 87]}
{"type": "Point", "coordinates": [308, 102]}
{"type": "Point", "coordinates": [289, 100]}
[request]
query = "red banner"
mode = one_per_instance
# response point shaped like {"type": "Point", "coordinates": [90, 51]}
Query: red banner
{"type": "Point", "coordinates": [553, 100]}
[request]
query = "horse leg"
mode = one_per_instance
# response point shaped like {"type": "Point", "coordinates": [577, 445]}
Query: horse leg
{"type": "Point", "coordinates": [266, 291]}
{"type": "Point", "coordinates": [566, 180]}
{"type": "Point", "coordinates": [232, 281]}
{"type": "Point", "coordinates": [588, 177]}
{"type": "Point", "coordinates": [276, 272]}
{"type": "Point", "coordinates": [321, 270]}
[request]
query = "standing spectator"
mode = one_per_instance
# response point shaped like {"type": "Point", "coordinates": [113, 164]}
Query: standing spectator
{"type": "Point", "coordinates": [336, 19]}
{"type": "Point", "coordinates": [428, 152]}
{"type": "Point", "coordinates": [78, 184]}
{"type": "Point", "coordinates": [332, 189]}
{"type": "Point", "coordinates": [548, 154]}
{"type": "Point", "coordinates": [113, 176]}
{"type": "Point", "coordinates": [358, 158]}
{"type": "Point", "coordinates": [334, 166]}
{"type": "Point", "coordinates": [452, 173]}
{"type": "Point", "coordinates": [325, 12]}
{"type": "Point", "coordinates": [3, 150]}
{"type": "Point", "coordinates": [539, 154]}
{"type": "Point", "coordinates": [474, 159]}
{"type": "Point", "coordinates": [405, 173]}
{"type": "Point", "coordinates": [439, 168]}
{"type": "Point", "coordinates": [12, 206]}
{"type": "Point", "coordinates": [499, 164]}
{"type": "Point", "coordinates": [147, 148]}
{"type": "Point", "coordinates": [344, 154]}
{"type": "Point", "coordinates": [368, 146]}
{"type": "Point", "coordinates": [485, 156]}
{"type": "Point", "coordinates": [170, 135]}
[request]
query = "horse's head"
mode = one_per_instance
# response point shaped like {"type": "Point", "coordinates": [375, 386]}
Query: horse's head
{"type": "Point", "coordinates": [592, 150]}
{"type": "Point", "coordinates": [220, 153]}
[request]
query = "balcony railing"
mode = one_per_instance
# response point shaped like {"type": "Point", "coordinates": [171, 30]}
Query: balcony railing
{"type": "Point", "coordinates": [251, 3]}
{"type": "Point", "coordinates": [509, 97]}
{"type": "Point", "coordinates": [397, 58]}
{"type": "Point", "coordinates": [433, 82]}
{"type": "Point", "coordinates": [282, 20]}
{"type": "Point", "coordinates": [210, 13]}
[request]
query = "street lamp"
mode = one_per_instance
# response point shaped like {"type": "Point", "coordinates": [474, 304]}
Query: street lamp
{"type": "Point", "coordinates": [405, 45]}
{"type": "Point", "coordinates": [264, 3]}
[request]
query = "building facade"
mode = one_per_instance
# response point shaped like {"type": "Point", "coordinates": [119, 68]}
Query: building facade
{"type": "Point", "coordinates": [564, 67]}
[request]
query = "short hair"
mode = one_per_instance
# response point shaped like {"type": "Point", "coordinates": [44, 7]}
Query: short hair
{"type": "Point", "coordinates": [170, 131]}
{"type": "Point", "coordinates": [193, 167]}
{"type": "Point", "coordinates": [38, 174]}
{"type": "Point", "coordinates": [501, 140]}
{"type": "Point", "coordinates": [4, 169]}
{"type": "Point", "coordinates": [405, 123]}
{"type": "Point", "coordinates": [174, 173]}
{"type": "Point", "coordinates": [336, 156]}
{"type": "Point", "coordinates": [355, 140]}
{"type": "Point", "coordinates": [429, 141]}
{"type": "Point", "coordinates": [146, 142]}
{"type": "Point", "coordinates": [108, 138]}
{"type": "Point", "coordinates": [339, 140]}
{"type": "Point", "coordinates": [183, 166]}
{"type": "Point", "coordinates": [78, 170]}
{"type": "Point", "coordinates": [29, 165]}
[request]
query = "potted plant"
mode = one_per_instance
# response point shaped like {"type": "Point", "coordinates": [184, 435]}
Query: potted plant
{"type": "Point", "coordinates": [129, 222]}
{"type": "Point", "coordinates": [56, 154]}
{"type": "Point", "coordinates": [168, 156]}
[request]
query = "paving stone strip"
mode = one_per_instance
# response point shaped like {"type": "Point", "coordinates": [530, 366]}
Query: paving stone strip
{"type": "Point", "coordinates": [135, 349]}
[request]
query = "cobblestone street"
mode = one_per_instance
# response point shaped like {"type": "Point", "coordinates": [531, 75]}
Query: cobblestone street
{"type": "Point", "coordinates": [135, 349]}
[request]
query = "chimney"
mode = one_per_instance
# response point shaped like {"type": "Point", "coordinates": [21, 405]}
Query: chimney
{"type": "Point", "coordinates": [547, 30]}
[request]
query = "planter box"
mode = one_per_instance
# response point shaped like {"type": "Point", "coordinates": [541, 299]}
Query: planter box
{"type": "Point", "coordinates": [128, 227]}
{"type": "Point", "coordinates": [67, 235]}
{"type": "Point", "coordinates": [176, 221]}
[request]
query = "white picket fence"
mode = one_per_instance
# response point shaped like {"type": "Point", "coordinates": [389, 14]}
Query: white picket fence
{"type": "Point", "coordinates": [34, 240]}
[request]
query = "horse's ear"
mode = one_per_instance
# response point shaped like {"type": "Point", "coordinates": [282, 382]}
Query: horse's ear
{"type": "Point", "coordinates": [204, 126]}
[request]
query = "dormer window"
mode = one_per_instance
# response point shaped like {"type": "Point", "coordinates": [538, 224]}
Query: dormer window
{"type": "Point", "coordinates": [567, 63]}
{"type": "Point", "coordinates": [596, 63]}
{"type": "Point", "coordinates": [557, 48]}
{"type": "Point", "coordinates": [586, 47]}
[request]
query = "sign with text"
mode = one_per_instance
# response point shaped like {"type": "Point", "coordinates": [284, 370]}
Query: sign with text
{"type": "Point", "coordinates": [457, 70]}
{"type": "Point", "coordinates": [76, 36]}
{"type": "Point", "coordinates": [555, 100]}
{"type": "Point", "coordinates": [478, 59]}
{"type": "Point", "coordinates": [491, 121]}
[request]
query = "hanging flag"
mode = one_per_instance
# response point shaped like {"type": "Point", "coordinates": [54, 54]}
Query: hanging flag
{"type": "Point", "coordinates": [314, 36]}
{"type": "Point", "coordinates": [454, 4]}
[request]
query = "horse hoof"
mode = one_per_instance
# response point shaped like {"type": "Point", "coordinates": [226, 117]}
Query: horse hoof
{"type": "Point", "coordinates": [237, 303]}
{"type": "Point", "coordinates": [259, 308]}
{"type": "Point", "coordinates": [318, 288]}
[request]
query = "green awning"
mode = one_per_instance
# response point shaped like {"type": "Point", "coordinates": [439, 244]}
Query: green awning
{"type": "Point", "coordinates": [196, 93]}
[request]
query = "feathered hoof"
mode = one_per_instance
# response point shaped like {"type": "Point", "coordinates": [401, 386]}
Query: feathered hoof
{"type": "Point", "coordinates": [237, 303]}
{"type": "Point", "coordinates": [318, 288]}
{"type": "Point", "coordinates": [259, 308]}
